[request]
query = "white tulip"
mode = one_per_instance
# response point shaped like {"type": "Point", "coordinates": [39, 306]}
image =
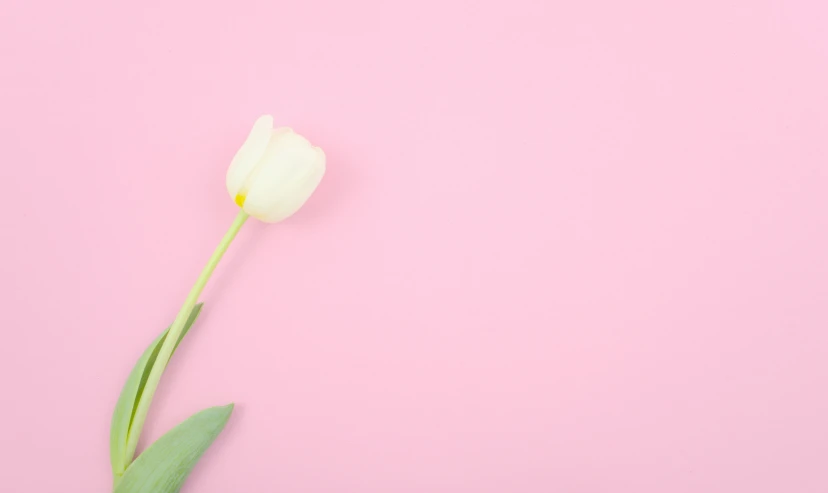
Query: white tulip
{"type": "Point", "coordinates": [274, 172]}
{"type": "Point", "coordinates": [272, 175]}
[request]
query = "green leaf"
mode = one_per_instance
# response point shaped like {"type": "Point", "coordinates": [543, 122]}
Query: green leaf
{"type": "Point", "coordinates": [130, 396]}
{"type": "Point", "coordinates": [164, 466]}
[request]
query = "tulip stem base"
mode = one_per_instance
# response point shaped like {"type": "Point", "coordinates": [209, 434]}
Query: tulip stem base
{"type": "Point", "coordinates": [168, 346]}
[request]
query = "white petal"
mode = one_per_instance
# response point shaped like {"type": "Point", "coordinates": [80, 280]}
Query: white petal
{"type": "Point", "coordinates": [282, 130]}
{"type": "Point", "coordinates": [249, 154]}
{"type": "Point", "coordinates": [289, 172]}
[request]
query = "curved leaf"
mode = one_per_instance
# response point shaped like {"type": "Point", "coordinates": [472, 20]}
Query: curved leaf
{"type": "Point", "coordinates": [164, 466]}
{"type": "Point", "coordinates": [131, 395]}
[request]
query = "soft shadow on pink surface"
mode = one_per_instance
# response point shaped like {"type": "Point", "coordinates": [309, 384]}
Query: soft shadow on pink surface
{"type": "Point", "coordinates": [561, 246]}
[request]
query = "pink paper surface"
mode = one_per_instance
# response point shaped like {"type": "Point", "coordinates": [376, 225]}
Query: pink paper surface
{"type": "Point", "coordinates": [562, 246]}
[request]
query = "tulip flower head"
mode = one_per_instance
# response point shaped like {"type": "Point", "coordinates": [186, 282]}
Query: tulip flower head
{"type": "Point", "coordinates": [274, 172]}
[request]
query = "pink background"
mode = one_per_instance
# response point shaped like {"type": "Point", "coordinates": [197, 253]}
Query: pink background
{"type": "Point", "coordinates": [561, 246]}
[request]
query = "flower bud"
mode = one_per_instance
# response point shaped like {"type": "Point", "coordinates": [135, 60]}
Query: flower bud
{"type": "Point", "coordinates": [274, 172]}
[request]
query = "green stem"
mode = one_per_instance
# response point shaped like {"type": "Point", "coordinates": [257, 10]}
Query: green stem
{"type": "Point", "coordinates": [172, 336]}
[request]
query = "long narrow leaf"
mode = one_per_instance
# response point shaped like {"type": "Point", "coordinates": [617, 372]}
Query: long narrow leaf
{"type": "Point", "coordinates": [164, 466]}
{"type": "Point", "coordinates": [131, 395]}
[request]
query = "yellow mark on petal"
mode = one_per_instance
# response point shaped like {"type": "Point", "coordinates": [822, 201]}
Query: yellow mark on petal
{"type": "Point", "coordinates": [240, 198]}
